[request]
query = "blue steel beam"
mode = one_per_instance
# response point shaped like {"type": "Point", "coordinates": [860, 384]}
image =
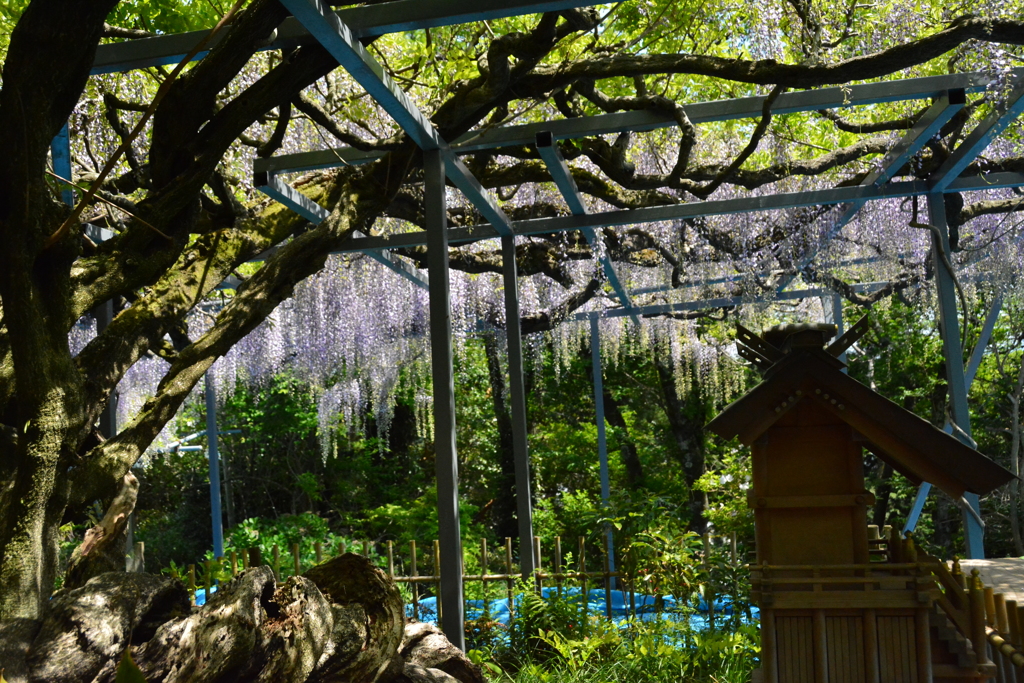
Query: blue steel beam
{"type": "Point", "coordinates": [60, 154]}
{"type": "Point", "coordinates": [517, 404]}
{"type": "Point", "coordinates": [213, 457]}
{"type": "Point", "coordinates": [337, 38]}
{"type": "Point", "coordinates": [653, 214]}
{"type": "Point", "coordinates": [1003, 115]}
{"type": "Point", "coordinates": [972, 369]}
{"type": "Point", "coordinates": [365, 22]}
{"type": "Point", "coordinates": [923, 130]}
{"type": "Point", "coordinates": [641, 121]}
{"type": "Point", "coordinates": [274, 187]}
{"type": "Point", "coordinates": [949, 326]}
{"type": "Point", "coordinates": [563, 180]}
{"type": "Point", "coordinates": [602, 437]}
{"type": "Point", "coordinates": [720, 302]}
{"type": "Point", "coordinates": [339, 41]}
{"type": "Point", "coordinates": [446, 458]}
{"type": "Point", "coordinates": [926, 127]}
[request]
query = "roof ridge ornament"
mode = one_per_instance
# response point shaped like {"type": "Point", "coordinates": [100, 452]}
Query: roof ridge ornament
{"type": "Point", "coordinates": [764, 350]}
{"type": "Point", "coordinates": [850, 337]}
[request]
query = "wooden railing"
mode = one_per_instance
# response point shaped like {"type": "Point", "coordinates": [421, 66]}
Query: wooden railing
{"type": "Point", "coordinates": [977, 612]}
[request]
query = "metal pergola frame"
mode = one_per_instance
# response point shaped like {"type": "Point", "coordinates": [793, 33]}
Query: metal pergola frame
{"type": "Point", "coordinates": [340, 33]}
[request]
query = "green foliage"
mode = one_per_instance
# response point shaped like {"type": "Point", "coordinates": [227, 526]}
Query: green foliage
{"type": "Point", "coordinates": [726, 486]}
{"type": "Point", "coordinates": [652, 651]}
{"type": "Point", "coordinates": [305, 529]}
{"type": "Point", "coordinates": [127, 670]}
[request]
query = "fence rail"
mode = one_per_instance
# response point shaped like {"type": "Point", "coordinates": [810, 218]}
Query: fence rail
{"type": "Point", "coordinates": [592, 568]}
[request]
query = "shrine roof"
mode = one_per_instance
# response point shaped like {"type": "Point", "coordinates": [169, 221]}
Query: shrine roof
{"type": "Point", "coordinates": [911, 445]}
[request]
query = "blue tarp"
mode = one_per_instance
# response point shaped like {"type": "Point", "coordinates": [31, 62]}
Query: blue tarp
{"type": "Point", "coordinates": [647, 607]}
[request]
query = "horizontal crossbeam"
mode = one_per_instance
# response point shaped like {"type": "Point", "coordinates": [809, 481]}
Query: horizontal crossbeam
{"type": "Point", "coordinates": [641, 121]}
{"type": "Point", "coordinates": [365, 22]}
{"type": "Point", "coordinates": [655, 214]}
{"type": "Point", "coordinates": [721, 302]}
{"type": "Point", "coordinates": [276, 188]}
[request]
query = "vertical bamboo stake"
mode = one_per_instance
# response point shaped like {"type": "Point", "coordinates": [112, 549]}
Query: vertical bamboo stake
{"type": "Point", "coordinates": [275, 554]}
{"type": "Point", "coordinates": [318, 549]}
{"type": "Point", "coordinates": [192, 583]}
{"type": "Point", "coordinates": [366, 549]}
{"type": "Point", "coordinates": [1002, 622]}
{"type": "Point", "coordinates": [732, 547]}
{"type": "Point", "coordinates": [483, 574]}
{"type": "Point", "coordinates": [391, 560]}
{"type": "Point", "coordinates": [895, 546]}
{"type": "Point", "coordinates": [990, 603]}
{"type": "Point", "coordinates": [245, 560]}
{"type": "Point", "coordinates": [234, 563]}
{"type": "Point", "coordinates": [437, 573]}
{"type": "Point", "coordinates": [536, 555]}
{"type": "Point", "coordinates": [341, 548]}
{"type": "Point", "coordinates": [958, 573]}
{"type": "Point", "coordinates": [632, 586]}
{"type": "Point", "coordinates": [584, 588]}
{"type": "Point", "coordinates": [296, 559]}
{"type": "Point", "coordinates": [1020, 623]}
{"type": "Point", "coordinates": [607, 579]}
{"type": "Point", "coordinates": [1014, 621]}
{"type": "Point", "coordinates": [911, 552]}
{"type": "Point", "coordinates": [558, 564]}
{"type": "Point", "coordinates": [415, 583]}
{"type": "Point", "coordinates": [978, 600]}
{"type": "Point", "coordinates": [509, 582]}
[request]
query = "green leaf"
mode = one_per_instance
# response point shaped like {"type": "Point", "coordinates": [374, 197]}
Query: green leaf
{"type": "Point", "coordinates": [127, 670]}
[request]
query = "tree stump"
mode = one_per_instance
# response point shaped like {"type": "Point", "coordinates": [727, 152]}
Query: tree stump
{"type": "Point", "coordinates": [87, 628]}
{"type": "Point", "coordinates": [425, 646]}
{"type": "Point", "coordinates": [368, 621]}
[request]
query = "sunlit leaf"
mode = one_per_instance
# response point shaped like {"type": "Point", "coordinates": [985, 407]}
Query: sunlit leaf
{"type": "Point", "coordinates": [127, 670]}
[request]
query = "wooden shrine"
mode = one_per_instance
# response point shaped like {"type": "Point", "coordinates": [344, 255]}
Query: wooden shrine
{"type": "Point", "coordinates": [838, 604]}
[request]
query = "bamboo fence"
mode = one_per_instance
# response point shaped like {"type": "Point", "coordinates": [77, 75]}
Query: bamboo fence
{"type": "Point", "coordinates": [592, 568]}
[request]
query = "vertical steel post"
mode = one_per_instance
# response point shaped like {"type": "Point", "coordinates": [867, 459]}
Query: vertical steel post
{"type": "Point", "coordinates": [833, 308]}
{"type": "Point", "coordinates": [949, 326]}
{"type": "Point", "coordinates": [445, 454]}
{"type": "Point", "coordinates": [104, 313]}
{"type": "Point", "coordinates": [972, 369]}
{"type": "Point", "coordinates": [213, 455]}
{"type": "Point", "coordinates": [602, 437]}
{"type": "Point", "coordinates": [517, 399]}
{"type": "Point", "coordinates": [60, 153]}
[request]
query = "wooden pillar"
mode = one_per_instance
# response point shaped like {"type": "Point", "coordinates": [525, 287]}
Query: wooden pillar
{"type": "Point", "coordinates": [820, 644]}
{"type": "Point", "coordinates": [769, 649]}
{"type": "Point", "coordinates": [923, 638]}
{"type": "Point", "coordinates": [870, 646]}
